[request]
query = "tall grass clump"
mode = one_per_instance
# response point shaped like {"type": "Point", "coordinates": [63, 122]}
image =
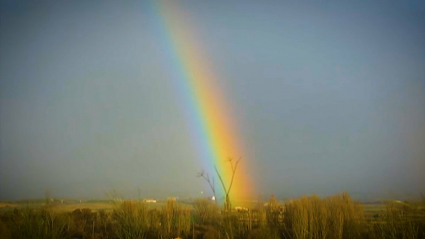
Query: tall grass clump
{"type": "Point", "coordinates": [273, 212]}
{"type": "Point", "coordinates": [131, 220]}
{"type": "Point", "coordinates": [335, 217]}
{"type": "Point", "coordinates": [175, 220]}
{"type": "Point", "coordinates": [347, 217]}
{"type": "Point", "coordinates": [104, 224]}
{"type": "Point", "coordinates": [206, 212]}
{"type": "Point", "coordinates": [84, 223]}
{"type": "Point", "coordinates": [38, 223]}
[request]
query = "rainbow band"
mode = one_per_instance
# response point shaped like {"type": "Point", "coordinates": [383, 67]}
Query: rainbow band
{"type": "Point", "coordinates": [209, 117]}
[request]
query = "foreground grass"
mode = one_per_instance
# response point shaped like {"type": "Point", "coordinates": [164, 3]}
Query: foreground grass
{"type": "Point", "coordinates": [305, 218]}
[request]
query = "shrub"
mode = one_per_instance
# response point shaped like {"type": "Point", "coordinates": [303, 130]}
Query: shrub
{"type": "Point", "coordinates": [131, 220]}
{"type": "Point", "coordinates": [206, 212]}
{"type": "Point", "coordinates": [39, 223]}
{"type": "Point", "coordinates": [82, 223]}
{"type": "Point", "coordinates": [175, 220]}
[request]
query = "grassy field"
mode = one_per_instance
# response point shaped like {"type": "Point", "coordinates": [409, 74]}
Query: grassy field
{"type": "Point", "coordinates": [70, 205]}
{"type": "Point", "coordinates": [305, 218]}
{"type": "Point", "coordinates": [370, 209]}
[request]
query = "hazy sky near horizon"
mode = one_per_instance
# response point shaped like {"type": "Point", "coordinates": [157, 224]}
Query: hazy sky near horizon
{"type": "Point", "coordinates": [327, 95]}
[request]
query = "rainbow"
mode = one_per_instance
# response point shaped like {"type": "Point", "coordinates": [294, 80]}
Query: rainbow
{"type": "Point", "coordinates": [213, 130]}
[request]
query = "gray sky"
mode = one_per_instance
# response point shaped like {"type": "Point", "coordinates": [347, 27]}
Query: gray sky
{"type": "Point", "coordinates": [327, 96]}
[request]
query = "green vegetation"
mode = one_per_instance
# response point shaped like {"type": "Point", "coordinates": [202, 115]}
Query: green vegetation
{"type": "Point", "coordinates": [306, 218]}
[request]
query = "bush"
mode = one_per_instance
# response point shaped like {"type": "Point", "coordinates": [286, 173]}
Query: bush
{"type": "Point", "coordinates": [206, 212]}
{"type": "Point", "coordinates": [175, 220]}
{"type": "Point", "coordinates": [131, 220]}
{"type": "Point", "coordinates": [38, 223]}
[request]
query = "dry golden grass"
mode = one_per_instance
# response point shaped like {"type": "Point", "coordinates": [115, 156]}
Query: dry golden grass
{"type": "Point", "coordinates": [333, 217]}
{"type": "Point", "coordinates": [371, 210]}
{"type": "Point", "coordinates": [306, 218]}
{"type": "Point", "coordinates": [69, 207]}
{"type": "Point", "coordinates": [7, 205]}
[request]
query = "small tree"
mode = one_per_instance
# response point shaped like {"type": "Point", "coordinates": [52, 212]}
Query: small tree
{"type": "Point", "coordinates": [227, 205]}
{"type": "Point", "coordinates": [233, 165]}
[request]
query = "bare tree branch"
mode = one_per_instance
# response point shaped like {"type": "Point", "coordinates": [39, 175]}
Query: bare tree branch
{"type": "Point", "coordinates": [233, 173]}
